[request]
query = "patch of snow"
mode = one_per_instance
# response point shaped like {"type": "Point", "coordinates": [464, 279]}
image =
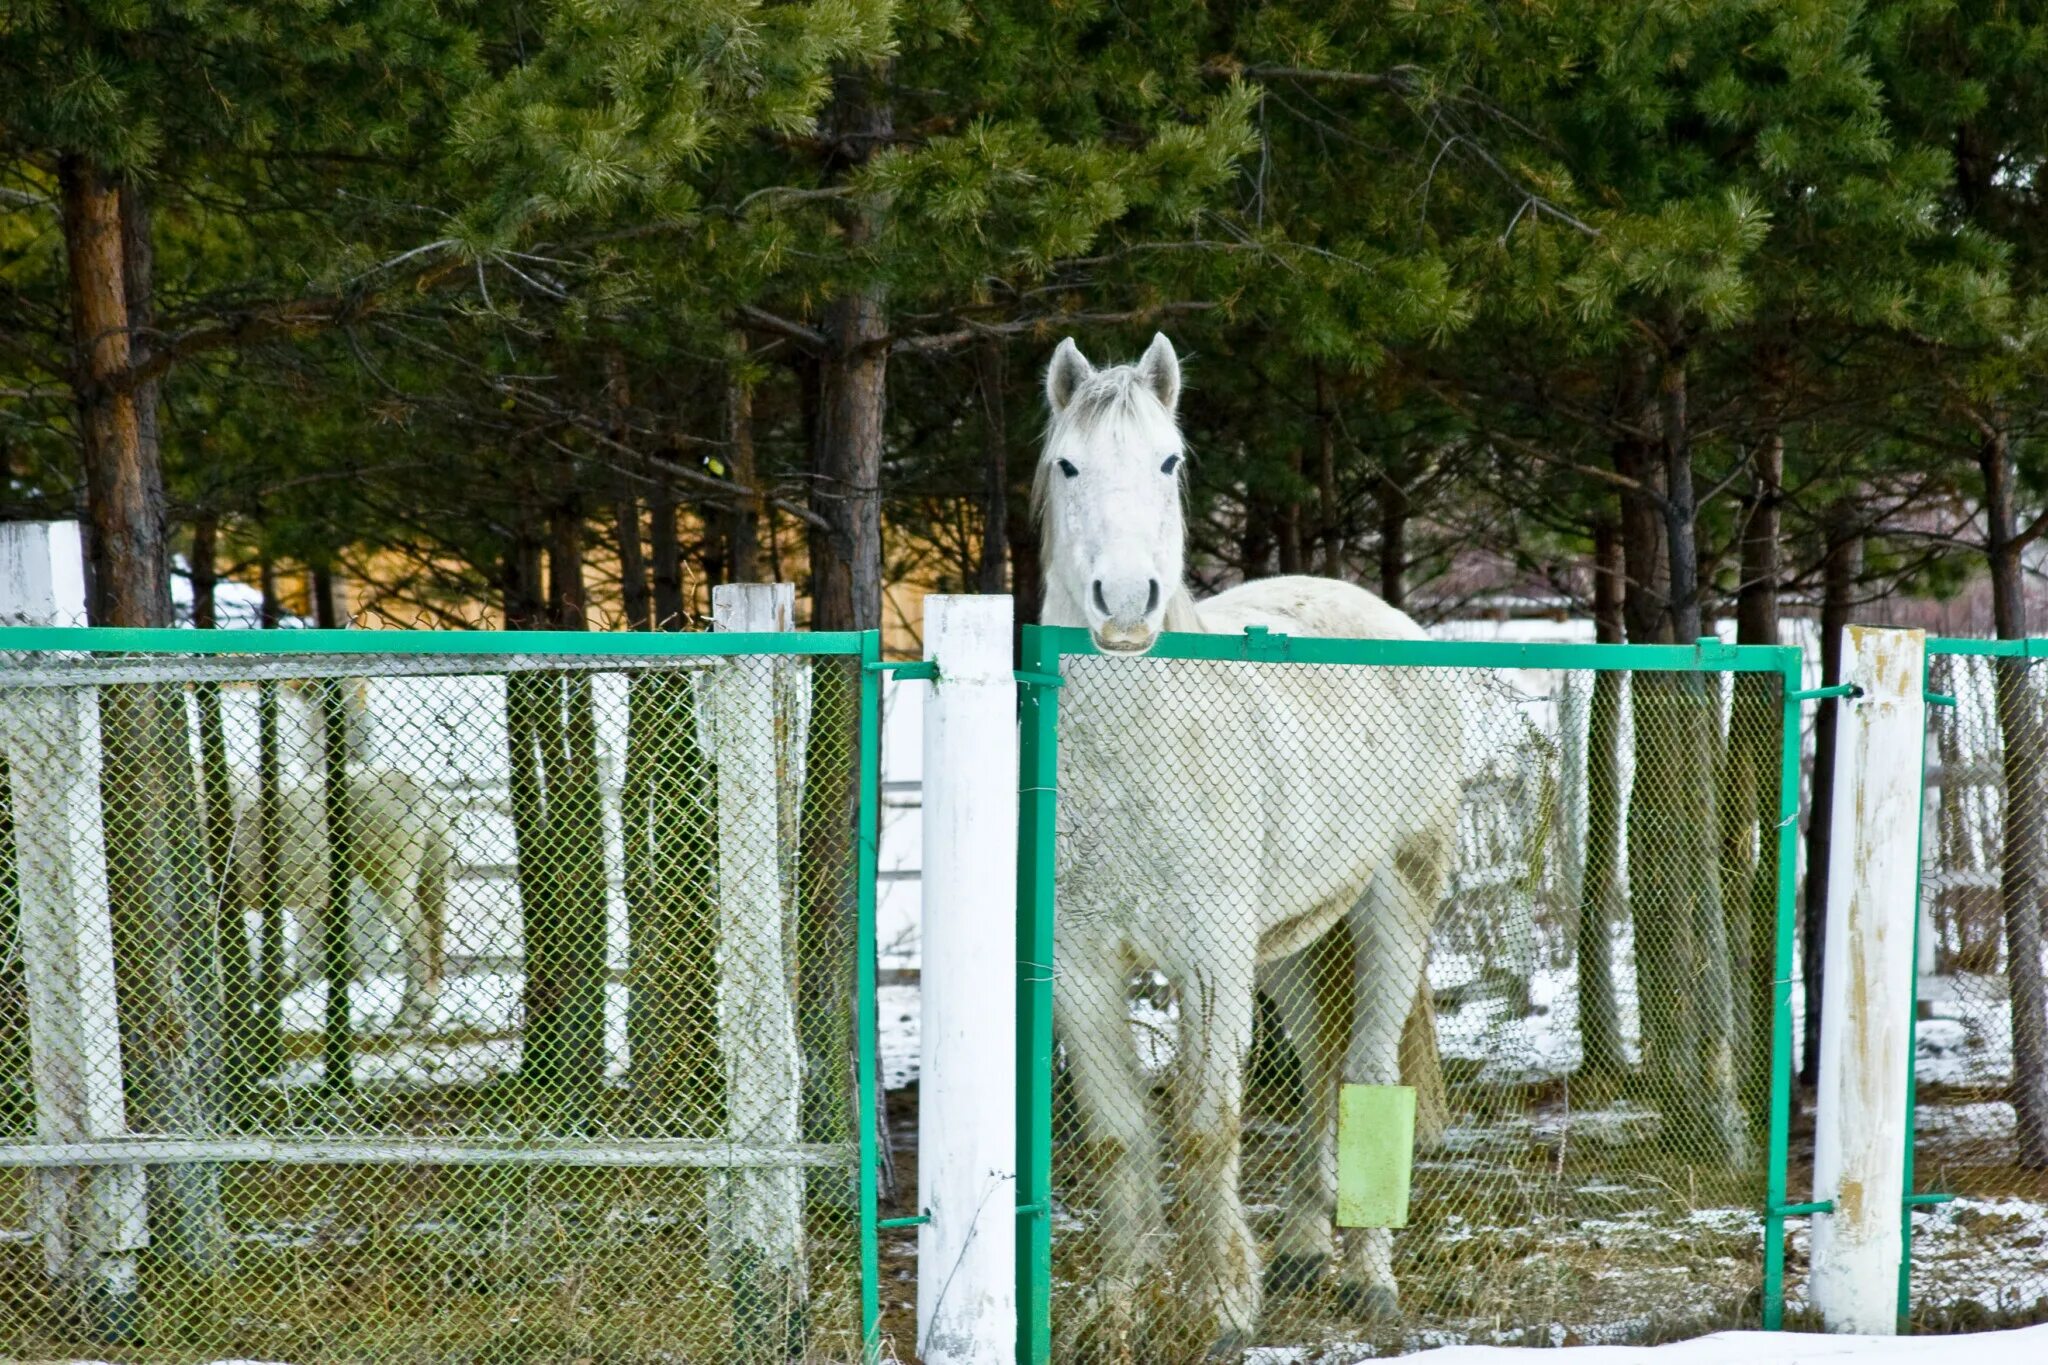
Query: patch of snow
{"type": "Point", "coordinates": [900, 1030]}
{"type": "Point", "coordinates": [2022, 1346]}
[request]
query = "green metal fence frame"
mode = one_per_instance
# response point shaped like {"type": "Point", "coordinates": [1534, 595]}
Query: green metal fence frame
{"type": "Point", "coordinates": [1043, 650]}
{"type": "Point", "coordinates": [865, 647]}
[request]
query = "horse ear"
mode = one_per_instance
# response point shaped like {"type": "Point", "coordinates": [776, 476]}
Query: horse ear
{"type": "Point", "coordinates": [1069, 370]}
{"type": "Point", "coordinates": [1160, 369]}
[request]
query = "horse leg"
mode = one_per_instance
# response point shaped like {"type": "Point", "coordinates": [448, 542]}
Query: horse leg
{"type": "Point", "coordinates": [1311, 992]}
{"type": "Point", "coordinates": [416, 910]}
{"type": "Point", "coordinates": [1091, 1016]}
{"type": "Point", "coordinates": [1391, 939]}
{"type": "Point", "coordinates": [1217, 1001]}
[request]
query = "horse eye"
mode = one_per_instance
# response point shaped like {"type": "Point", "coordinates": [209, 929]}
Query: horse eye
{"type": "Point", "coordinates": [1172, 462]}
{"type": "Point", "coordinates": [1067, 468]}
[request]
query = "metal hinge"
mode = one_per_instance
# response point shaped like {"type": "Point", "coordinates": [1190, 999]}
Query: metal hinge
{"type": "Point", "coordinates": [1263, 646]}
{"type": "Point", "coordinates": [927, 669]}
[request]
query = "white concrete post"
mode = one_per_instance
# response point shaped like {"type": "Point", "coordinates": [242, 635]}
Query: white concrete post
{"type": "Point", "coordinates": [967, 1095]}
{"type": "Point", "coordinates": [1866, 1014]}
{"type": "Point", "coordinates": [92, 1221]}
{"type": "Point", "coordinates": [758, 712]}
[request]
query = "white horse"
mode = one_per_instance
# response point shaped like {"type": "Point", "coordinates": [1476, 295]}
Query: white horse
{"type": "Point", "coordinates": [1217, 822]}
{"type": "Point", "coordinates": [399, 846]}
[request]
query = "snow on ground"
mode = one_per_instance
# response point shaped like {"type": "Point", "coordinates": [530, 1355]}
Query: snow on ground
{"type": "Point", "coordinates": [1991, 1252]}
{"type": "Point", "coordinates": [2024, 1346]}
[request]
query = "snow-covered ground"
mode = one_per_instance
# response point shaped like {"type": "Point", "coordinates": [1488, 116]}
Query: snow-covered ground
{"type": "Point", "coordinates": [2023, 1346]}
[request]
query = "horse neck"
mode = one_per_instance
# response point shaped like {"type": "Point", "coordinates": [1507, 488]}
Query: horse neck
{"type": "Point", "coordinates": [1182, 614]}
{"type": "Point", "coordinates": [1060, 607]}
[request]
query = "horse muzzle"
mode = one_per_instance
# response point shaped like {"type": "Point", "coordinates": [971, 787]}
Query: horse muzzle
{"type": "Point", "coordinates": [1115, 638]}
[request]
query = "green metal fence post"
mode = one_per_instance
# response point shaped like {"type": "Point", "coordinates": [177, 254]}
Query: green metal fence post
{"type": "Point", "coordinates": [1913, 1035]}
{"type": "Point", "coordinates": [868, 1081]}
{"type": "Point", "coordinates": [1775, 1198]}
{"type": "Point", "coordinates": [1038, 773]}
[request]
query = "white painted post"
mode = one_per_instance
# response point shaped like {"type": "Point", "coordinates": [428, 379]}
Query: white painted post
{"type": "Point", "coordinates": [967, 1097]}
{"type": "Point", "coordinates": [758, 718]}
{"type": "Point", "coordinates": [1860, 1120]}
{"type": "Point", "coordinates": [92, 1221]}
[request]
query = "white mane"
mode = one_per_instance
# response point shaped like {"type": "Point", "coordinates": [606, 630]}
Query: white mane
{"type": "Point", "coordinates": [1114, 404]}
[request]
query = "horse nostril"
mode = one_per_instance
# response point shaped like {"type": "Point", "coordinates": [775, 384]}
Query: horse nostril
{"type": "Point", "coordinates": [1151, 595]}
{"type": "Point", "coordinates": [1100, 605]}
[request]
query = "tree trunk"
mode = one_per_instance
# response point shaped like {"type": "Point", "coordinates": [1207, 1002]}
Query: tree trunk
{"type": "Point", "coordinates": [1681, 733]}
{"type": "Point", "coordinates": [337, 948]}
{"type": "Point", "coordinates": [634, 598]}
{"type": "Point", "coordinates": [1645, 593]}
{"type": "Point", "coordinates": [846, 557]}
{"type": "Point", "coordinates": [562, 1059]}
{"type": "Point", "coordinates": [531, 699]}
{"type": "Point", "coordinates": [991, 574]}
{"type": "Point", "coordinates": [1327, 511]}
{"type": "Point", "coordinates": [1255, 537]}
{"type": "Point", "coordinates": [216, 783]}
{"type": "Point", "coordinates": [1838, 574]}
{"type": "Point", "coordinates": [1393, 550]}
{"type": "Point", "coordinates": [130, 578]}
{"type": "Point", "coordinates": [2023, 876]}
{"type": "Point", "coordinates": [138, 283]}
{"type": "Point", "coordinates": [167, 961]}
{"type": "Point", "coordinates": [1602, 1064]}
{"type": "Point", "coordinates": [743, 521]}
{"type": "Point", "coordinates": [1291, 561]}
{"type": "Point", "coordinates": [666, 535]}
{"type": "Point", "coordinates": [711, 552]}
{"type": "Point", "coordinates": [846, 594]}
{"type": "Point", "coordinates": [1681, 514]}
{"type": "Point", "coordinates": [1027, 573]}
{"type": "Point", "coordinates": [268, 1046]}
{"type": "Point", "coordinates": [1673, 890]}
{"type": "Point", "coordinates": [670, 817]}
{"type": "Point", "coordinates": [1749, 786]}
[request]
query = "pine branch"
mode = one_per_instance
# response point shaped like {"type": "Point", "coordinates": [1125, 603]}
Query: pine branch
{"type": "Point", "coordinates": [931, 342]}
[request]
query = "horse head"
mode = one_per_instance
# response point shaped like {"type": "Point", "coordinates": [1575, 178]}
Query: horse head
{"type": "Point", "coordinates": [1108, 496]}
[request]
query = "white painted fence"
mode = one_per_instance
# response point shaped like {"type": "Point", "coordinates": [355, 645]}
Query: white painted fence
{"type": "Point", "coordinates": [91, 1220]}
{"type": "Point", "coordinates": [967, 1148]}
{"type": "Point", "coordinates": [757, 719]}
{"type": "Point", "coordinates": [1866, 1007]}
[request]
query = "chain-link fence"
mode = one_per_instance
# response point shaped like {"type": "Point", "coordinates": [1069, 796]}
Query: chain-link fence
{"type": "Point", "coordinates": [464, 1003]}
{"type": "Point", "coordinates": [1546, 896]}
{"type": "Point", "coordinates": [1981, 1111]}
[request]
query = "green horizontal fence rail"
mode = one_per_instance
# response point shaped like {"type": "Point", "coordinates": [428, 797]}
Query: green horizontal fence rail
{"type": "Point", "coordinates": [617, 1177]}
{"type": "Point", "coordinates": [1048, 669]}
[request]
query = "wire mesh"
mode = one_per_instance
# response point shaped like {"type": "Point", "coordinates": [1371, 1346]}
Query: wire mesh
{"type": "Point", "coordinates": [1981, 1064]}
{"type": "Point", "coordinates": [429, 1007]}
{"type": "Point", "coordinates": [1546, 900]}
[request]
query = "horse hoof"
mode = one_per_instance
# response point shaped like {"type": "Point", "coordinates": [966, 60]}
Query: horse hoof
{"type": "Point", "coordinates": [1293, 1274]}
{"type": "Point", "coordinates": [1370, 1302]}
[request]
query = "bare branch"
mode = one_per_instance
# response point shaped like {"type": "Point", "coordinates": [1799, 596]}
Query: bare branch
{"type": "Point", "coordinates": [809, 337]}
{"type": "Point", "coordinates": [1401, 79]}
{"type": "Point", "coordinates": [931, 342]}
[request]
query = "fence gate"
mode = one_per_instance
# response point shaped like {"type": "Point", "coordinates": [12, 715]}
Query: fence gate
{"type": "Point", "coordinates": [1549, 887]}
{"type": "Point", "coordinates": [1981, 1062]}
{"type": "Point", "coordinates": [384, 996]}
